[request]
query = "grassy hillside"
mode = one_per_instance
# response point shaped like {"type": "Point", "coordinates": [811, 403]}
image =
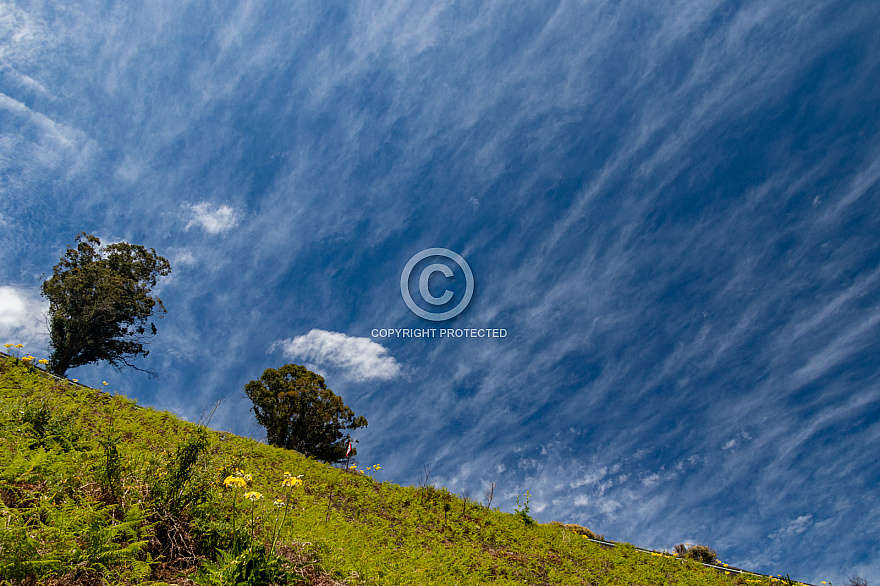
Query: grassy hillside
{"type": "Point", "coordinates": [98, 491]}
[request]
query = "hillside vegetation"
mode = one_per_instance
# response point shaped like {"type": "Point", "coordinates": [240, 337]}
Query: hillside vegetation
{"type": "Point", "coordinates": [96, 490]}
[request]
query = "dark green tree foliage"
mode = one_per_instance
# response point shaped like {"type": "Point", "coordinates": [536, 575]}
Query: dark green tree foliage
{"type": "Point", "coordinates": [300, 413]}
{"type": "Point", "coordinates": [100, 303]}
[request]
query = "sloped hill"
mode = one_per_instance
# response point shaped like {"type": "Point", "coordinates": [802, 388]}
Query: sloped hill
{"type": "Point", "coordinates": [96, 490]}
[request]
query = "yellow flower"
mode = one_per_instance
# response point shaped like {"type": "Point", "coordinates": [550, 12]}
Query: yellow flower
{"type": "Point", "coordinates": [279, 503]}
{"type": "Point", "coordinates": [27, 358]}
{"type": "Point", "coordinates": [233, 481]}
{"type": "Point", "coordinates": [76, 380]}
{"type": "Point", "coordinates": [19, 346]}
{"type": "Point", "coordinates": [106, 383]}
{"type": "Point", "coordinates": [376, 466]}
{"type": "Point", "coordinates": [253, 496]}
{"type": "Point", "coordinates": [43, 361]}
{"type": "Point", "coordinates": [7, 345]}
{"type": "Point", "coordinates": [291, 482]}
{"type": "Point", "coordinates": [352, 467]}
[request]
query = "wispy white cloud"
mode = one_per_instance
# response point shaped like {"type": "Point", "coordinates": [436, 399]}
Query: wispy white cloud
{"type": "Point", "coordinates": [651, 480]}
{"type": "Point", "coordinates": [183, 258]}
{"type": "Point", "coordinates": [796, 527]}
{"type": "Point", "coordinates": [361, 359]}
{"type": "Point", "coordinates": [212, 219]}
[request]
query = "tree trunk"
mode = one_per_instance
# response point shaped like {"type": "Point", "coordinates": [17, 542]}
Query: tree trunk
{"type": "Point", "coordinates": [60, 366]}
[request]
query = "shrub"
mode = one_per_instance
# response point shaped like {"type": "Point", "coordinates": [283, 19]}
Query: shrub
{"type": "Point", "coordinates": [581, 530]}
{"type": "Point", "coordinates": [702, 553]}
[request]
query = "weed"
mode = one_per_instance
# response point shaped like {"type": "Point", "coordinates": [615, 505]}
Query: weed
{"type": "Point", "coordinates": [522, 512]}
{"type": "Point", "coordinates": [252, 567]}
{"type": "Point", "coordinates": [490, 494]}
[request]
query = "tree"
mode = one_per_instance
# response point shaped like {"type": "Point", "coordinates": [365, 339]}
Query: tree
{"type": "Point", "coordinates": [300, 413]}
{"type": "Point", "coordinates": [100, 303]}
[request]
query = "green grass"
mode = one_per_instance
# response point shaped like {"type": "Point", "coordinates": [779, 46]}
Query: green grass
{"type": "Point", "coordinates": [97, 491]}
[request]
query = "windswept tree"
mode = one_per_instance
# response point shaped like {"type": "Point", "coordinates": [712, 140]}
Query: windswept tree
{"type": "Point", "coordinates": [300, 413]}
{"type": "Point", "coordinates": [100, 304]}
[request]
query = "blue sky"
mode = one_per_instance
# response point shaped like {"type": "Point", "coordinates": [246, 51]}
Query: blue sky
{"type": "Point", "coordinates": [671, 208]}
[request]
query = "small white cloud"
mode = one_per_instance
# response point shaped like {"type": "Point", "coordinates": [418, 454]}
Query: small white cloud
{"type": "Point", "coordinates": [650, 480]}
{"type": "Point", "coordinates": [796, 527]}
{"type": "Point", "coordinates": [23, 318]}
{"type": "Point", "coordinates": [361, 358]}
{"type": "Point", "coordinates": [609, 507]}
{"type": "Point", "coordinates": [591, 477]}
{"type": "Point", "coordinates": [182, 259]}
{"type": "Point", "coordinates": [688, 463]}
{"type": "Point", "coordinates": [212, 220]}
{"type": "Point", "coordinates": [729, 445]}
{"type": "Point", "coordinates": [527, 464]}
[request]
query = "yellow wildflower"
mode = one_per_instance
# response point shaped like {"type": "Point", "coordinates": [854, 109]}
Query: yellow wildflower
{"type": "Point", "coordinates": [43, 361]}
{"type": "Point", "coordinates": [279, 503]}
{"type": "Point", "coordinates": [291, 482]}
{"type": "Point", "coordinates": [105, 383]}
{"type": "Point", "coordinates": [233, 481]}
{"type": "Point", "coordinates": [19, 346]}
{"type": "Point", "coordinates": [7, 345]}
{"type": "Point", "coordinates": [253, 496]}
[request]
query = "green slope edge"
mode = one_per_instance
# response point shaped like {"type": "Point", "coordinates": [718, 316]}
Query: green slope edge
{"type": "Point", "coordinates": [62, 521]}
